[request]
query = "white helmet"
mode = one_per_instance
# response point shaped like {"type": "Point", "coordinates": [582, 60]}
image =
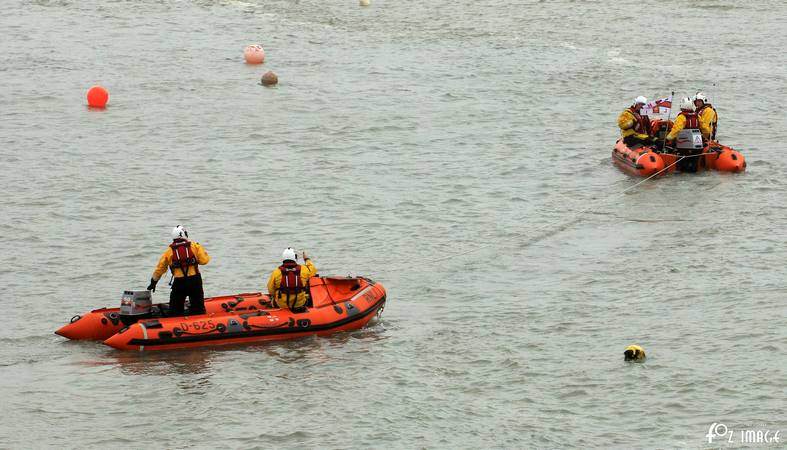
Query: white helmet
{"type": "Point", "coordinates": [701, 97]}
{"type": "Point", "coordinates": [686, 104]}
{"type": "Point", "coordinates": [180, 232]}
{"type": "Point", "coordinates": [288, 253]}
{"type": "Point", "coordinates": [641, 99]}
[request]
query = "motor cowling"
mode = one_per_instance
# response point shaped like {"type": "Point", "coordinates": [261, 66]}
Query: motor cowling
{"type": "Point", "coordinates": [689, 140]}
{"type": "Point", "coordinates": [135, 305]}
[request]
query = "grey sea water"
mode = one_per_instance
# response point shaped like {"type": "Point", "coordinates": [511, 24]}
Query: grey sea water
{"type": "Point", "coordinates": [459, 153]}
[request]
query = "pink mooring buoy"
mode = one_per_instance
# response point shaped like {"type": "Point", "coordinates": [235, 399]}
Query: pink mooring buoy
{"type": "Point", "coordinates": [254, 54]}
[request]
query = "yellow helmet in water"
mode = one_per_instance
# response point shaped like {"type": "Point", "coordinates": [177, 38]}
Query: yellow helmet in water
{"type": "Point", "coordinates": [634, 353]}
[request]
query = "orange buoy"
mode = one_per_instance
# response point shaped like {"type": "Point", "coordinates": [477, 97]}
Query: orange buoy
{"type": "Point", "coordinates": [97, 97]}
{"type": "Point", "coordinates": [269, 78]}
{"type": "Point", "coordinates": [254, 54]}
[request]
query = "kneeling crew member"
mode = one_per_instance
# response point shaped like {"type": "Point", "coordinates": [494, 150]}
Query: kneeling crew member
{"type": "Point", "coordinates": [634, 127]}
{"type": "Point", "coordinates": [288, 284]}
{"type": "Point", "coordinates": [183, 258]}
{"type": "Point", "coordinates": [686, 119]}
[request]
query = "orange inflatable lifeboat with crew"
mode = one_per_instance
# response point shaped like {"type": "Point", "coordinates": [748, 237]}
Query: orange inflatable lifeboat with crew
{"type": "Point", "coordinates": [335, 304]}
{"type": "Point", "coordinates": [690, 154]}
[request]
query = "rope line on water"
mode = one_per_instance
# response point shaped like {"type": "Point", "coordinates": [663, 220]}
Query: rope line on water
{"type": "Point", "coordinates": [548, 230]}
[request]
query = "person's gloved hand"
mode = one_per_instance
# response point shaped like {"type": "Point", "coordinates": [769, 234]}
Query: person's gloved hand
{"type": "Point", "coordinates": [152, 285]}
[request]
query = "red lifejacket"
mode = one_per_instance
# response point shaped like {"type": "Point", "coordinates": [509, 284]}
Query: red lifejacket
{"type": "Point", "coordinates": [183, 256]}
{"type": "Point", "coordinates": [291, 283]}
{"type": "Point", "coordinates": [641, 123]}
{"type": "Point", "coordinates": [712, 124]}
{"type": "Point", "coordinates": [691, 120]}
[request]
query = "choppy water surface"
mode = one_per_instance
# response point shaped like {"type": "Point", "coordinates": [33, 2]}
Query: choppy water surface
{"type": "Point", "coordinates": [458, 152]}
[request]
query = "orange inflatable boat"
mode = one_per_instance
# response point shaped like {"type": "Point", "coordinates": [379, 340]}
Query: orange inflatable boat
{"type": "Point", "coordinates": [691, 155]}
{"type": "Point", "coordinates": [335, 304]}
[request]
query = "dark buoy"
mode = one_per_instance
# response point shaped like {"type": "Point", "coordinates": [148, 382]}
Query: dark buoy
{"type": "Point", "coordinates": [269, 78]}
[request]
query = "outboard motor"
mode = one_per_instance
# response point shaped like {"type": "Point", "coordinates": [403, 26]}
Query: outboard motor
{"type": "Point", "coordinates": [689, 142]}
{"type": "Point", "coordinates": [135, 305]}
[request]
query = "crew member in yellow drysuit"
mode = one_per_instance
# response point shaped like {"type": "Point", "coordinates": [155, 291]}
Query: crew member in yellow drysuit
{"type": "Point", "coordinates": [687, 118]}
{"type": "Point", "coordinates": [707, 115]}
{"type": "Point", "coordinates": [634, 127]}
{"type": "Point", "coordinates": [183, 258]}
{"type": "Point", "coordinates": [288, 285]}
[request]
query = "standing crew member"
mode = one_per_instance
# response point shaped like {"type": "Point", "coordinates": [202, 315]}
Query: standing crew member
{"type": "Point", "coordinates": [634, 127]}
{"type": "Point", "coordinates": [288, 284]}
{"type": "Point", "coordinates": [687, 118]}
{"type": "Point", "coordinates": [707, 115]}
{"type": "Point", "coordinates": [183, 258]}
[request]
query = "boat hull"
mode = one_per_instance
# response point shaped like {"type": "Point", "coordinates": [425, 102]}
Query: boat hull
{"type": "Point", "coordinates": [340, 313]}
{"type": "Point", "coordinates": [646, 162]}
{"type": "Point", "coordinates": [100, 324]}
